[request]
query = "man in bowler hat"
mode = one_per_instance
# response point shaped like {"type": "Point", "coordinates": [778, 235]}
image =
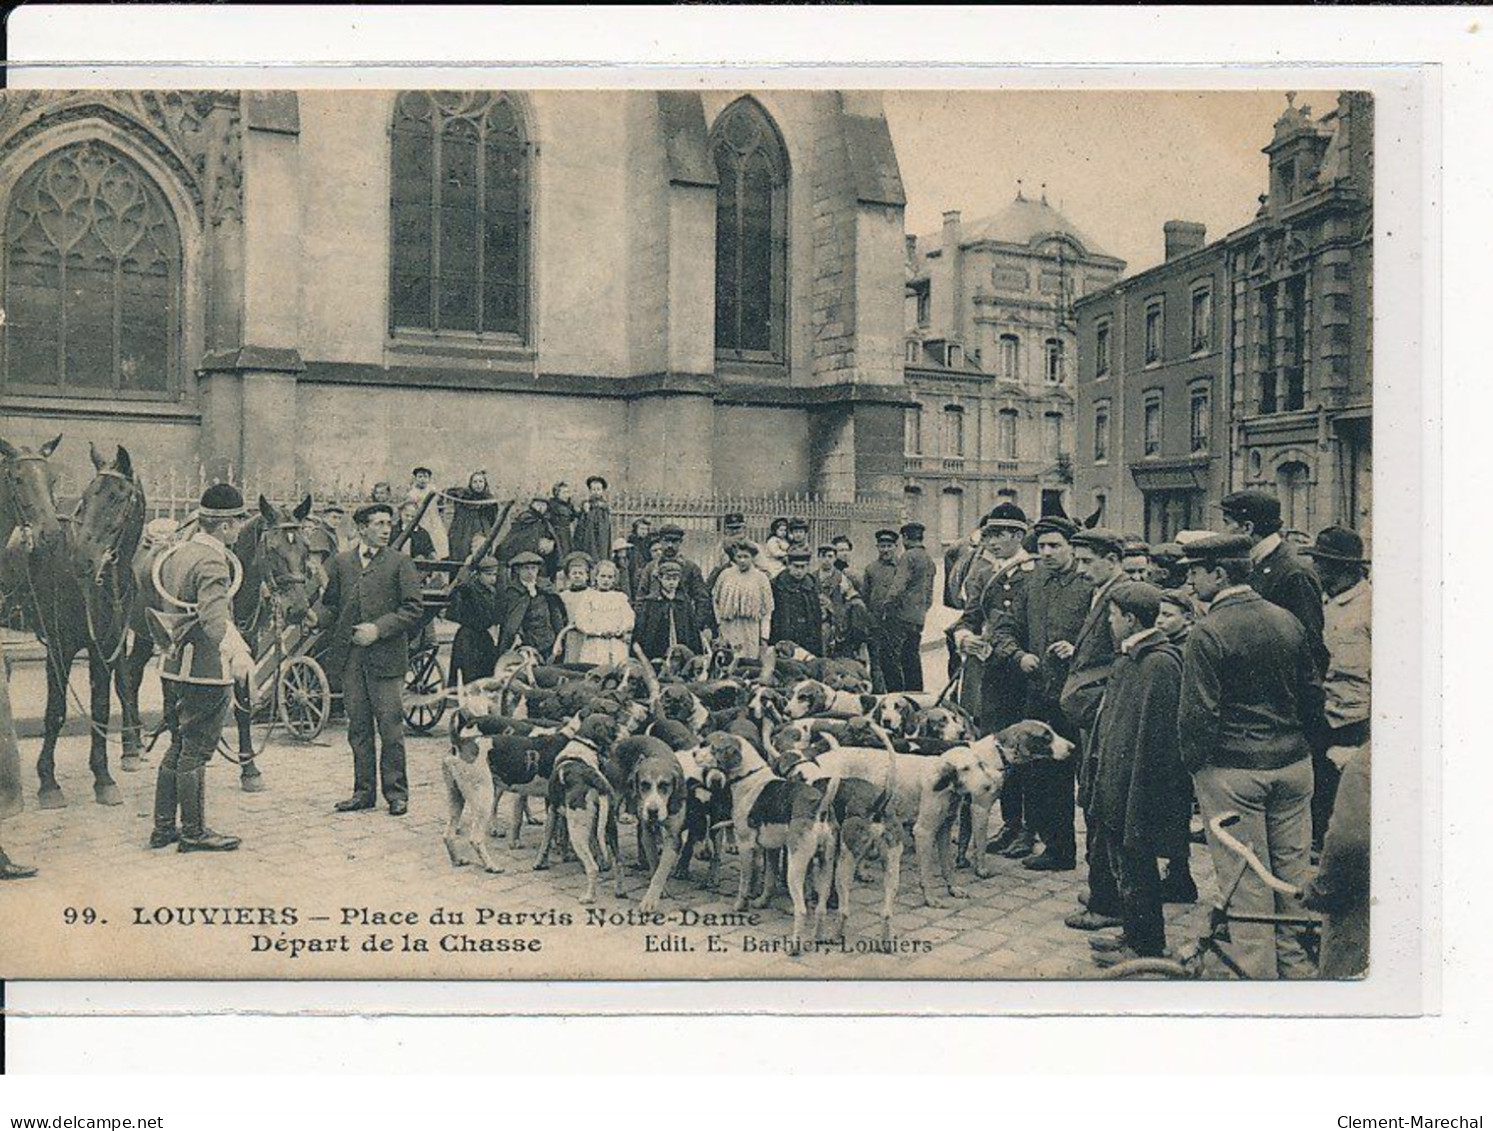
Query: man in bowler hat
{"type": "Point", "coordinates": [373, 599]}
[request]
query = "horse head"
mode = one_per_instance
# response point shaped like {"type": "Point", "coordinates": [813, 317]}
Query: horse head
{"type": "Point", "coordinates": [110, 518]}
{"type": "Point", "coordinates": [281, 554]}
{"type": "Point", "coordinates": [28, 503]}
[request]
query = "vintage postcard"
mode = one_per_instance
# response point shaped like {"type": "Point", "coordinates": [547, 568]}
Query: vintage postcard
{"type": "Point", "coordinates": [782, 533]}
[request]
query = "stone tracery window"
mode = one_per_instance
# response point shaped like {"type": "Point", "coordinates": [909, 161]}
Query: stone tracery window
{"type": "Point", "coordinates": [751, 234]}
{"type": "Point", "coordinates": [92, 279]}
{"type": "Point", "coordinates": [460, 214]}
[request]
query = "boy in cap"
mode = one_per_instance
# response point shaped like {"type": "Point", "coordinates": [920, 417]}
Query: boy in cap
{"type": "Point", "coordinates": [1139, 790]}
{"type": "Point", "coordinates": [903, 611]}
{"type": "Point", "coordinates": [666, 616]}
{"type": "Point", "coordinates": [798, 605]}
{"type": "Point", "coordinates": [671, 539]}
{"type": "Point", "coordinates": [373, 599]}
{"type": "Point", "coordinates": [1251, 696]}
{"type": "Point", "coordinates": [476, 607]}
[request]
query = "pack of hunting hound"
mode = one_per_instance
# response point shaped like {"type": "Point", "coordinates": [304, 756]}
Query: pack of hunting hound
{"type": "Point", "coordinates": [800, 772]}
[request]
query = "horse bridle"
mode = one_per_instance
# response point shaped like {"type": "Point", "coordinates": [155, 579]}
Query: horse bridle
{"type": "Point", "coordinates": [111, 555]}
{"type": "Point", "coordinates": [271, 589]}
{"type": "Point", "coordinates": [25, 517]}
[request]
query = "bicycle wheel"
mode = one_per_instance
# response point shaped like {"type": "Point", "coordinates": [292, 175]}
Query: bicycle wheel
{"type": "Point", "coordinates": [305, 697]}
{"type": "Point", "coordinates": [1158, 968]}
{"type": "Point", "coordinates": [424, 689]}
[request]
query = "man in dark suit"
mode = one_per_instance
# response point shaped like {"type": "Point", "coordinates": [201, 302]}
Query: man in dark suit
{"type": "Point", "coordinates": [905, 609]}
{"type": "Point", "coordinates": [373, 594]}
{"type": "Point", "coordinates": [1035, 637]}
{"type": "Point", "coordinates": [1097, 554]}
{"type": "Point", "coordinates": [1279, 574]}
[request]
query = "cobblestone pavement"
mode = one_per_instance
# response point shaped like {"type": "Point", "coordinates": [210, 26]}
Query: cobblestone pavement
{"type": "Point", "coordinates": [298, 853]}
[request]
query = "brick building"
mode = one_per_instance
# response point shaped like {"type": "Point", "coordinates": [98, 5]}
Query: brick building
{"type": "Point", "coordinates": [1152, 442]}
{"type": "Point", "coordinates": [1247, 362]}
{"type": "Point", "coordinates": [689, 292]}
{"type": "Point", "coordinates": [991, 352]}
{"type": "Point", "coordinates": [1302, 277]}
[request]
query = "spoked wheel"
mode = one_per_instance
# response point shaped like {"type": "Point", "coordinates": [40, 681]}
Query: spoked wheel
{"type": "Point", "coordinates": [424, 691]}
{"type": "Point", "coordinates": [1152, 969]}
{"type": "Point", "coordinates": [305, 697]}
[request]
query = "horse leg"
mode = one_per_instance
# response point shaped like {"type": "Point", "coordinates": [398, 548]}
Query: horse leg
{"type": "Point", "coordinates": [249, 777]}
{"type": "Point", "coordinates": [129, 673]}
{"type": "Point", "coordinates": [105, 791]}
{"type": "Point", "coordinates": [49, 795]}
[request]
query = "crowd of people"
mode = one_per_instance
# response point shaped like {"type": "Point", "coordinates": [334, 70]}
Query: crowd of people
{"type": "Point", "coordinates": [1228, 672]}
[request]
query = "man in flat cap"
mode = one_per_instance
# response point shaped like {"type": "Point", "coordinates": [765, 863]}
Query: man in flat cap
{"type": "Point", "coordinates": [533, 613]}
{"type": "Point", "coordinates": [670, 538]}
{"type": "Point", "coordinates": [903, 611]}
{"type": "Point", "coordinates": [878, 579]}
{"type": "Point", "coordinates": [1097, 555]}
{"type": "Point", "coordinates": [593, 523]}
{"type": "Point", "coordinates": [1251, 697]}
{"type": "Point", "coordinates": [797, 605]}
{"type": "Point", "coordinates": [1279, 575]}
{"type": "Point", "coordinates": [372, 599]}
{"type": "Point", "coordinates": [1347, 633]}
{"type": "Point", "coordinates": [204, 654]}
{"type": "Point", "coordinates": [1141, 796]}
{"type": "Point", "coordinates": [1036, 637]}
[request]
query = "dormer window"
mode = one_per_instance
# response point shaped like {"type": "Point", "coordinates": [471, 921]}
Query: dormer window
{"type": "Point", "coordinates": [954, 356]}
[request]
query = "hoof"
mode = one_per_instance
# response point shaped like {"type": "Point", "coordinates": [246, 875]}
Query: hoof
{"type": "Point", "coordinates": [107, 794]}
{"type": "Point", "coordinates": [541, 867]}
{"type": "Point", "coordinates": [131, 763]}
{"type": "Point", "coordinates": [51, 799]}
{"type": "Point", "coordinates": [254, 784]}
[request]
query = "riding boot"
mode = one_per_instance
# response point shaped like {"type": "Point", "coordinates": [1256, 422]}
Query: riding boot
{"type": "Point", "coordinates": [165, 811]}
{"type": "Point", "coordinates": [250, 780]}
{"type": "Point", "coordinates": [195, 835]}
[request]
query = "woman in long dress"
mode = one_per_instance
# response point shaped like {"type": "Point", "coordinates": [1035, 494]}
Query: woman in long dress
{"type": "Point", "coordinates": [743, 602]}
{"type": "Point", "coordinates": [602, 620]}
{"type": "Point", "coordinates": [473, 511]}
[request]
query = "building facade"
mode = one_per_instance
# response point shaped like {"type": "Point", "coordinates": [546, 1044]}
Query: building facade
{"type": "Point", "coordinates": [1276, 393]}
{"type": "Point", "coordinates": [1152, 400]}
{"type": "Point", "coordinates": [1301, 279]}
{"type": "Point", "coordinates": [991, 354]}
{"type": "Point", "coordinates": [688, 292]}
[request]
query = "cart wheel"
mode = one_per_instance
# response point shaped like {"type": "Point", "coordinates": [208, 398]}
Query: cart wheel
{"type": "Point", "coordinates": [257, 720]}
{"type": "Point", "coordinates": [424, 689]}
{"type": "Point", "coordinates": [305, 697]}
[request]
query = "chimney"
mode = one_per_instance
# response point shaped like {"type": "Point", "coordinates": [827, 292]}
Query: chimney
{"type": "Point", "coordinates": [911, 244]}
{"type": "Point", "coordinates": [1183, 236]}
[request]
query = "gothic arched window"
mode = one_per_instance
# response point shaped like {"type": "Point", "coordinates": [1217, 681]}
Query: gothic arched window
{"type": "Point", "coordinates": [460, 214]}
{"type": "Point", "coordinates": [92, 278]}
{"type": "Point", "coordinates": [751, 234]}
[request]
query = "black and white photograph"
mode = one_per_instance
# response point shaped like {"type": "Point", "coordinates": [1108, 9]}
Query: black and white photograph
{"type": "Point", "coordinates": [693, 533]}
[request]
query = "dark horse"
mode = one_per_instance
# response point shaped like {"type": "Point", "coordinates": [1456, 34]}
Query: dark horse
{"type": "Point", "coordinates": [272, 595]}
{"type": "Point", "coordinates": [77, 596]}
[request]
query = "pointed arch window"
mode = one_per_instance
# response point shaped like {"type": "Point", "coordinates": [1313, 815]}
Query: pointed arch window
{"type": "Point", "coordinates": [92, 296]}
{"type": "Point", "coordinates": [751, 235]}
{"type": "Point", "coordinates": [460, 214]}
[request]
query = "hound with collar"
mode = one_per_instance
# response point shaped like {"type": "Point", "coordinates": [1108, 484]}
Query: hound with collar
{"type": "Point", "coordinates": [580, 793]}
{"type": "Point", "coordinates": [925, 794]}
{"type": "Point", "coordinates": [664, 787]}
{"type": "Point", "coordinates": [771, 812]}
{"type": "Point", "coordinates": [812, 698]}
